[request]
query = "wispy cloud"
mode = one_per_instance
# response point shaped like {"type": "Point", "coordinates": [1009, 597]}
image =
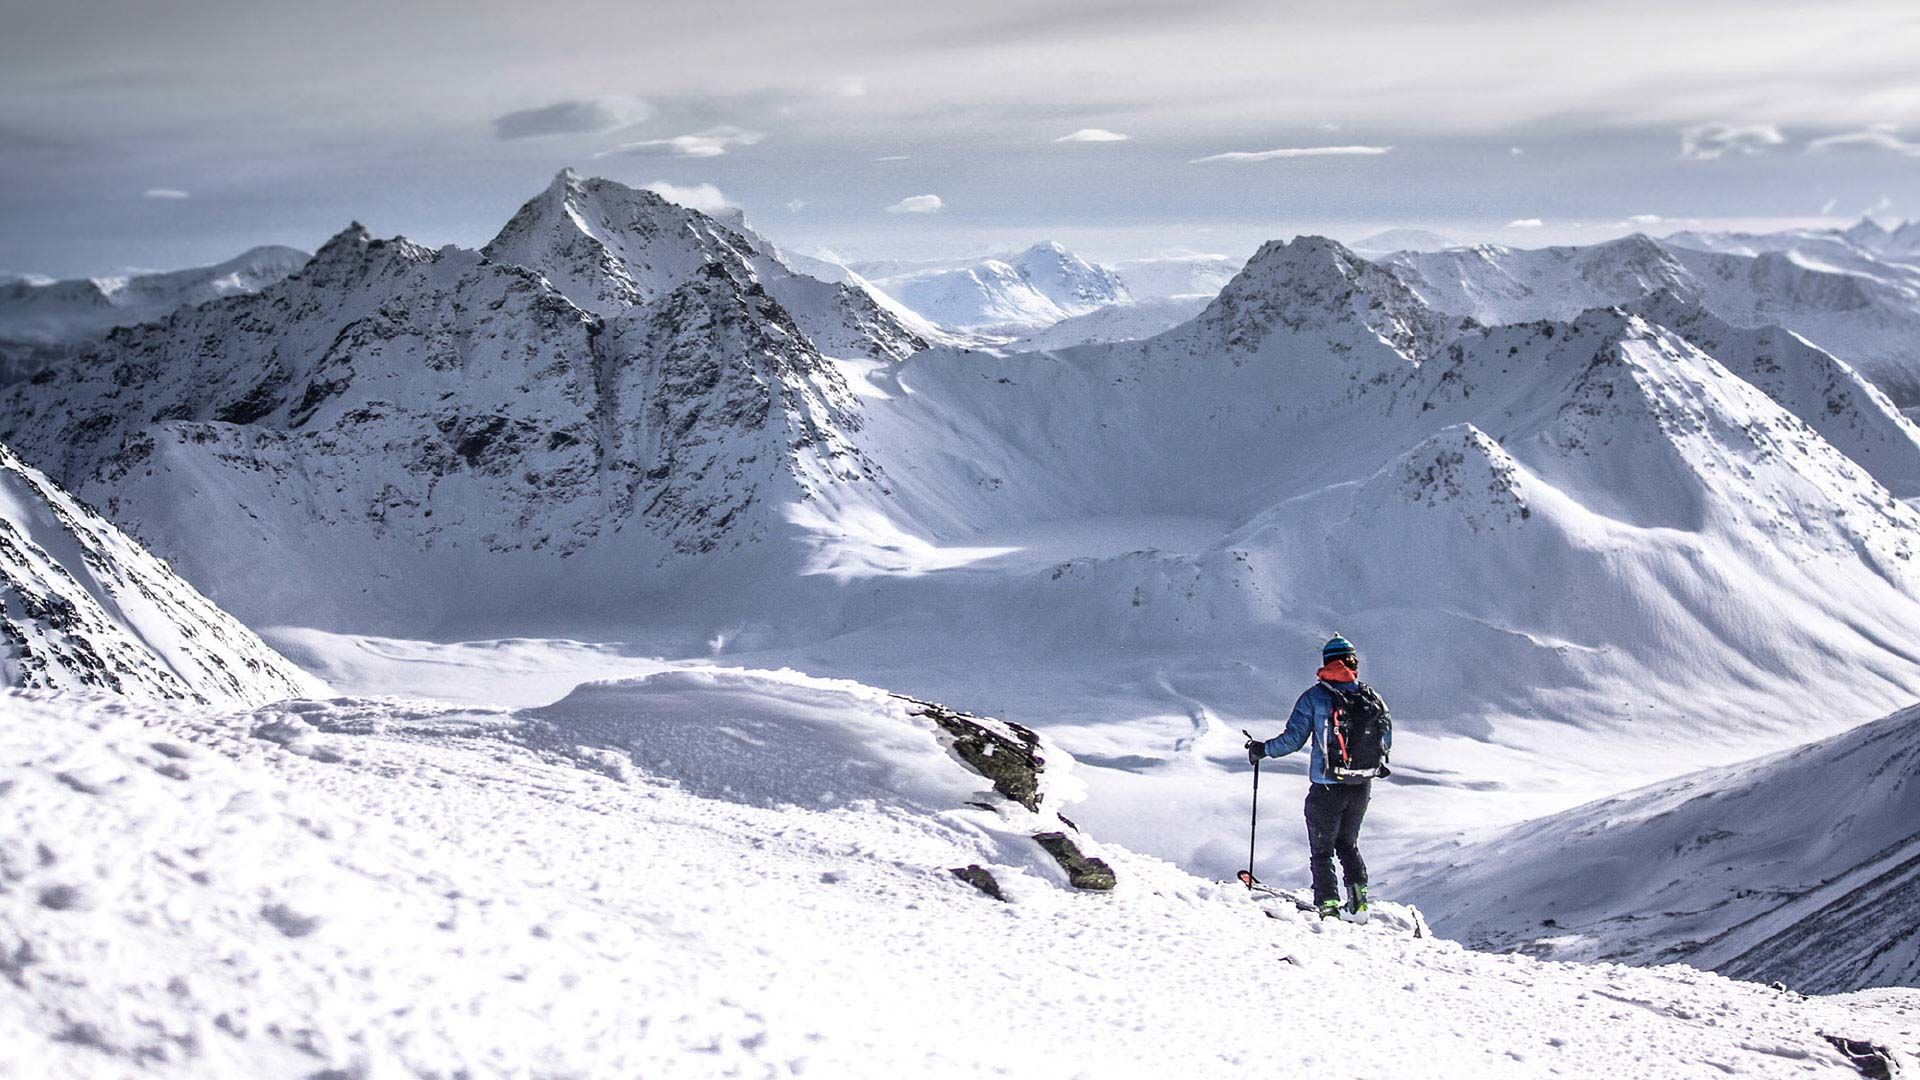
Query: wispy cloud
{"type": "Point", "coordinates": [712, 142]}
{"type": "Point", "coordinates": [1645, 219]}
{"type": "Point", "coordinates": [917, 204]}
{"type": "Point", "coordinates": [1881, 137]}
{"type": "Point", "coordinates": [1525, 223]}
{"type": "Point", "coordinates": [164, 193]}
{"type": "Point", "coordinates": [1092, 135]}
{"type": "Point", "coordinates": [848, 86]}
{"type": "Point", "coordinates": [571, 118]}
{"type": "Point", "coordinates": [1705, 142]}
{"type": "Point", "coordinates": [1827, 207]}
{"type": "Point", "coordinates": [702, 197]}
{"type": "Point", "coordinates": [1293, 152]}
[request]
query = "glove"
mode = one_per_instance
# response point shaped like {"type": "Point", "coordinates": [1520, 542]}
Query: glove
{"type": "Point", "coordinates": [1255, 751]}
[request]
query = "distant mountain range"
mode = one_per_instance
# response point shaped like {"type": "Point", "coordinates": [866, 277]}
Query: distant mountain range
{"type": "Point", "coordinates": [627, 418]}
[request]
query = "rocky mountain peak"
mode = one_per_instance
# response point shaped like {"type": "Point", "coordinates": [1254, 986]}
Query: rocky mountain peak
{"type": "Point", "coordinates": [1316, 283]}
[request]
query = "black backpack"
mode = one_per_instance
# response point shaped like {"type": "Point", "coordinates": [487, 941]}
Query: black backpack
{"type": "Point", "coordinates": [1357, 732]}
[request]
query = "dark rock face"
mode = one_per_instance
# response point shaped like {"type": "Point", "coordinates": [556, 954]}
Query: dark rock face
{"type": "Point", "coordinates": [1009, 760]}
{"type": "Point", "coordinates": [1083, 871]}
{"type": "Point", "coordinates": [980, 878]}
{"type": "Point", "coordinates": [1875, 1062]}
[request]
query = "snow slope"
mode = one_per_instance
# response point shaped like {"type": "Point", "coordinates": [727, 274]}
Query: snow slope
{"type": "Point", "coordinates": [1115, 322]}
{"type": "Point", "coordinates": [67, 312]}
{"type": "Point", "coordinates": [1798, 867]}
{"type": "Point", "coordinates": [1860, 308]}
{"type": "Point", "coordinates": [391, 888]}
{"type": "Point", "coordinates": [82, 606]}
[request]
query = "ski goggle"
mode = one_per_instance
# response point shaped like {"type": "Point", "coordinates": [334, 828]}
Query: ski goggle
{"type": "Point", "coordinates": [1352, 662]}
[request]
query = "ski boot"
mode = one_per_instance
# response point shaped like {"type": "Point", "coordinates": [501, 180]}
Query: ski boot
{"type": "Point", "coordinates": [1330, 909]}
{"type": "Point", "coordinates": [1356, 909]}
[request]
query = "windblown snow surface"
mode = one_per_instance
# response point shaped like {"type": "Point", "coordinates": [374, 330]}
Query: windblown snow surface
{"type": "Point", "coordinates": [1803, 866]}
{"type": "Point", "coordinates": [721, 873]}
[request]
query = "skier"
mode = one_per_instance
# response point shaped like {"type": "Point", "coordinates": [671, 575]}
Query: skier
{"type": "Point", "coordinates": [1350, 731]}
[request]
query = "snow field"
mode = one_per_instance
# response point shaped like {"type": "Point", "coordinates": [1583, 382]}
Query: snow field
{"type": "Point", "coordinates": [372, 888]}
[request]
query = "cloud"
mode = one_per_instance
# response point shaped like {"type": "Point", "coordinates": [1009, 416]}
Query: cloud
{"type": "Point", "coordinates": [1881, 137]}
{"type": "Point", "coordinates": [571, 118]}
{"type": "Point", "coordinates": [1525, 223]}
{"type": "Point", "coordinates": [164, 193]}
{"type": "Point", "coordinates": [1704, 142]}
{"type": "Point", "coordinates": [848, 86]}
{"type": "Point", "coordinates": [917, 204]}
{"type": "Point", "coordinates": [1292, 152]}
{"type": "Point", "coordinates": [702, 197]}
{"type": "Point", "coordinates": [1827, 207]}
{"type": "Point", "coordinates": [1645, 219]}
{"type": "Point", "coordinates": [1515, 151]}
{"type": "Point", "coordinates": [1093, 135]}
{"type": "Point", "coordinates": [794, 206]}
{"type": "Point", "coordinates": [892, 157]}
{"type": "Point", "coordinates": [712, 142]}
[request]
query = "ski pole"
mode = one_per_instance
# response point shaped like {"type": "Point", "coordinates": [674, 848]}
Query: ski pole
{"type": "Point", "coordinates": [1253, 826]}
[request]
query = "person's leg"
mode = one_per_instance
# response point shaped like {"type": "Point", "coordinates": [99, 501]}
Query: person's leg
{"type": "Point", "coordinates": [1346, 840]}
{"type": "Point", "coordinates": [1323, 830]}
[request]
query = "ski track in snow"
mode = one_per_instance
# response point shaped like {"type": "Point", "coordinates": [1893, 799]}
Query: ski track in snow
{"type": "Point", "coordinates": [363, 888]}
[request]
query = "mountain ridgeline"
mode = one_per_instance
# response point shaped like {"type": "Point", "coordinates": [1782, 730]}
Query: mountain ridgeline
{"type": "Point", "coordinates": [627, 413]}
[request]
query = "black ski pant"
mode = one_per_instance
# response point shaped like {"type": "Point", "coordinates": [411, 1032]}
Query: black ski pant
{"type": "Point", "coordinates": [1334, 813]}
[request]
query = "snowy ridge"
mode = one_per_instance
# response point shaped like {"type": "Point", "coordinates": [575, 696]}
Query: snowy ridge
{"type": "Point", "coordinates": [609, 247]}
{"type": "Point", "coordinates": [1855, 305]}
{"type": "Point", "coordinates": [82, 606]}
{"type": "Point", "coordinates": [259, 894]}
{"type": "Point", "coordinates": [68, 312]}
{"type": "Point", "coordinates": [1755, 870]}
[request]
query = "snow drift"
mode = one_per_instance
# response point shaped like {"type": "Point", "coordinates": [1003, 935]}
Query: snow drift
{"type": "Point", "coordinates": [389, 888]}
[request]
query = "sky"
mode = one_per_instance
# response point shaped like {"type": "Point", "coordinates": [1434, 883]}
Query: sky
{"type": "Point", "coordinates": [142, 135]}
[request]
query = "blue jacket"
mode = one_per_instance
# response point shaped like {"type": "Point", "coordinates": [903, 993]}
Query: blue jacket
{"type": "Point", "coordinates": [1308, 723]}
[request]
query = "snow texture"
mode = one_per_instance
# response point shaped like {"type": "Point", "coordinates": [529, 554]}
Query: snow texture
{"type": "Point", "coordinates": [1798, 867]}
{"type": "Point", "coordinates": [388, 888]}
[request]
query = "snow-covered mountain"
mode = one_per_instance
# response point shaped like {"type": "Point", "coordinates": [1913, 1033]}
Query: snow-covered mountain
{"type": "Point", "coordinates": [1388, 241]}
{"type": "Point", "coordinates": [66, 312]}
{"type": "Point", "coordinates": [1115, 322]}
{"type": "Point", "coordinates": [1126, 539]}
{"type": "Point", "coordinates": [724, 872]}
{"type": "Point", "coordinates": [608, 248]}
{"type": "Point", "coordinates": [396, 411]}
{"type": "Point", "coordinates": [82, 606]}
{"type": "Point", "coordinates": [1038, 287]}
{"type": "Point", "coordinates": [1862, 309]}
{"type": "Point", "coordinates": [1174, 276]}
{"type": "Point", "coordinates": [1799, 867]}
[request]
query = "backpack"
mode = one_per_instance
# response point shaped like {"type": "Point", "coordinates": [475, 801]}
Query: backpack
{"type": "Point", "coordinates": [1357, 732]}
